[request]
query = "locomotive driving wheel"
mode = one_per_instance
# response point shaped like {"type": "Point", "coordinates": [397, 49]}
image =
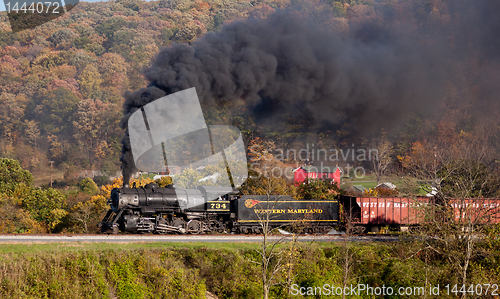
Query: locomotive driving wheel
{"type": "Point", "coordinates": [194, 227]}
{"type": "Point", "coordinates": [179, 223]}
{"type": "Point", "coordinates": [217, 226]}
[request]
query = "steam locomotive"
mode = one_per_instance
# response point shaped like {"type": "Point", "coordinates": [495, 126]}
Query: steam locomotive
{"type": "Point", "coordinates": [151, 209]}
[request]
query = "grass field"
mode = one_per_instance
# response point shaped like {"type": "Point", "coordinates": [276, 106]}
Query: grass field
{"type": "Point", "coordinates": [40, 180]}
{"type": "Point", "coordinates": [7, 248]}
{"type": "Point", "coordinates": [98, 246]}
{"type": "Point", "coordinates": [370, 181]}
{"type": "Point", "coordinates": [228, 270]}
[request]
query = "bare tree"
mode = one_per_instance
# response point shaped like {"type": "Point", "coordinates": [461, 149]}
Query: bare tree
{"type": "Point", "coordinates": [271, 259]}
{"type": "Point", "coordinates": [382, 159]}
{"type": "Point", "coordinates": [461, 177]}
{"type": "Point", "coordinates": [349, 219]}
{"type": "Point", "coordinates": [451, 168]}
{"type": "Point", "coordinates": [277, 252]}
{"type": "Point", "coordinates": [86, 212]}
{"type": "Point", "coordinates": [83, 214]}
{"type": "Point", "coordinates": [348, 254]}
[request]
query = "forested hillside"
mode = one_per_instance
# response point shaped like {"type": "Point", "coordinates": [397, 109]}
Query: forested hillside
{"type": "Point", "coordinates": [62, 83]}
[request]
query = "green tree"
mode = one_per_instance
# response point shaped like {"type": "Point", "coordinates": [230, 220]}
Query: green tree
{"type": "Point", "coordinates": [259, 184]}
{"type": "Point", "coordinates": [163, 182]}
{"type": "Point", "coordinates": [132, 4]}
{"type": "Point", "coordinates": [12, 175]}
{"type": "Point", "coordinates": [14, 219]}
{"type": "Point", "coordinates": [81, 42]}
{"type": "Point", "coordinates": [63, 37]}
{"type": "Point", "coordinates": [87, 185]}
{"type": "Point", "coordinates": [89, 211]}
{"type": "Point", "coordinates": [187, 179]}
{"type": "Point", "coordinates": [46, 206]}
{"type": "Point", "coordinates": [189, 31]}
{"type": "Point", "coordinates": [109, 27]}
{"type": "Point", "coordinates": [120, 37]}
{"type": "Point", "coordinates": [166, 35]}
{"type": "Point", "coordinates": [81, 60]}
{"type": "Point", "coordinates": [318, 189]}
{"type": "Point", "coordinates": [95, 48]}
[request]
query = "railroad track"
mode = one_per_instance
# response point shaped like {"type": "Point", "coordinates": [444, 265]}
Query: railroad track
{"type": "Point", "coordinates": [214, 238]}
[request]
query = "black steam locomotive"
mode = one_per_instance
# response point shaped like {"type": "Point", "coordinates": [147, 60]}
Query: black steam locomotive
{"type": "Point", "coordinates": [210, 209]}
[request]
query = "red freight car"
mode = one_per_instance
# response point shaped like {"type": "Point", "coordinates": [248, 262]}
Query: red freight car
{"type": "Point", "coordinates": [388, 210]}
{"type": "Point", "coordinates": [375, 212]}
{"type": "Point", "coordinates": [480, 210]}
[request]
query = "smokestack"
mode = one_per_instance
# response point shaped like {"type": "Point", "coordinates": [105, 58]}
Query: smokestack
{"type": "Point", "coordinates": [128, 165]}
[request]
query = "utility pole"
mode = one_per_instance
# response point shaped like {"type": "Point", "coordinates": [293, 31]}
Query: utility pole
{"type": "Point", "coordinates": [51, 162]}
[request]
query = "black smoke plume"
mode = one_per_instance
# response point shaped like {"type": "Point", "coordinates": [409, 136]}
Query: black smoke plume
{"type": "Point", "coordinates": [372, 75]}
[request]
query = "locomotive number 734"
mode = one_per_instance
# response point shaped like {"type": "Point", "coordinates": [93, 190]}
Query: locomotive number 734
{"type": "Point", "coordinates": [218, 205]}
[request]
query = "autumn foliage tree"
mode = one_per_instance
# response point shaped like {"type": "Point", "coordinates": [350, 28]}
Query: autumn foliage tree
{"type": "Point", "coordinates": [90, 81]}
{"type": "Point", "coordinates": [90, 126]}
{"type": "Point", "coordinates": [43, 209]}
